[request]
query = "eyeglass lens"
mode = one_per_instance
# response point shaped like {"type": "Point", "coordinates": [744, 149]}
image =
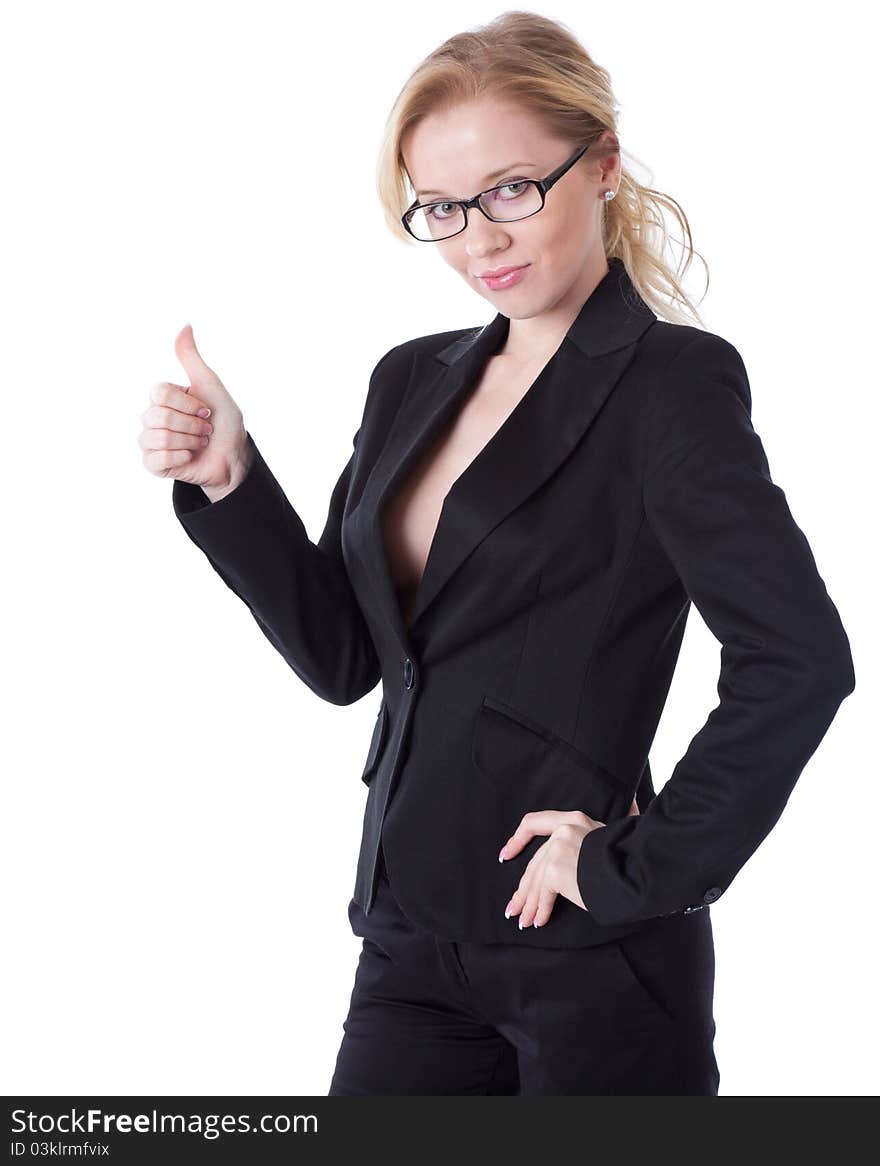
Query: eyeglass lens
{"type": "Point", "coordinates": [439, 220]}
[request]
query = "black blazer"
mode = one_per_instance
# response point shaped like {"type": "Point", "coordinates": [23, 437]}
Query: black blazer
{"type": "Point", "coordinates": [626, 483]}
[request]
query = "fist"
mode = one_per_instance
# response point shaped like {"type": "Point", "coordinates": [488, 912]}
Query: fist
{"type": "Point", "coordinates": [194, 432]}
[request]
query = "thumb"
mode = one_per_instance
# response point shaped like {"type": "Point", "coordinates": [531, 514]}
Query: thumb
{"type": "Point", "coordinates": [201, 377]}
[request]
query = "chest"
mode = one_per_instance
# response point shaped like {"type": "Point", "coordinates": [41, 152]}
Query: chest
{"type": "Point", "coordinates": [410, 516]}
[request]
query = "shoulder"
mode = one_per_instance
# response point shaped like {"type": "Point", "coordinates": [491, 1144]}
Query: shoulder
{"type": "Point", "coordinates": [692, 364]}
{"type": "Point", "coordinates": [390, 377]}
{"type": "Point", "coordinates": [686, 346]}
{"type": "Point", "coordinates": [697, 410]}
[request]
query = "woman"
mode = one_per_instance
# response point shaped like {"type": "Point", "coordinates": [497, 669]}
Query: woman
{"type": "Point", "coordinates": [512, 549]}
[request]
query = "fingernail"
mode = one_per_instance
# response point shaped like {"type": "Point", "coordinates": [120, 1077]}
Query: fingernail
{"type": "Point", "coordinates": [204, 412]}
{"type": "Point", "coordinates": [501, 854]}
{"type": "Point", "coordinates": [508, 909]}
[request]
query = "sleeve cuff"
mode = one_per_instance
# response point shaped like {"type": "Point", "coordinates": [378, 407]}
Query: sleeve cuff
{"type": "Point", "coordinates": [589, 881]}
{"type": "Point", "coordinates": [200, 515]}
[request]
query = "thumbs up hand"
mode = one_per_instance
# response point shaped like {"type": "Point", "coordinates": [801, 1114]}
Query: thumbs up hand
{"type": "Point", "coordinates": [180, 441]}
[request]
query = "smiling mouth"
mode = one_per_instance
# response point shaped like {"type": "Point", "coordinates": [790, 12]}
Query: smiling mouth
{"type": "Point", "coordinates": [501, 272]}
{"type": "Point", "coordinates": [510, 278]}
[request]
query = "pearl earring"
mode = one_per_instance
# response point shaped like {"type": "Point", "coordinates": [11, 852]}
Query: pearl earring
{"type": "Point", "coordinates": [609, 194]}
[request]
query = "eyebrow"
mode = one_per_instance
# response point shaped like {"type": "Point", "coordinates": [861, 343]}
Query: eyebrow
{"type": "Point", "coordinates": [489, 177]}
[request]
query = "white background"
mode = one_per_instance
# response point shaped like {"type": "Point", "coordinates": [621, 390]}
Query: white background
{"type": "Point", "coordinates": [176, 885]}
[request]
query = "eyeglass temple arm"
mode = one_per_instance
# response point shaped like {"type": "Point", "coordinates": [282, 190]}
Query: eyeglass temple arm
{"type": "Point", "coordinates": [554, 177]}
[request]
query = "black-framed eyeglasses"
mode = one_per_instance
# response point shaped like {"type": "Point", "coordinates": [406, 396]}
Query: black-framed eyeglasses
{"type": "Point", "coordinates": [433, 221]}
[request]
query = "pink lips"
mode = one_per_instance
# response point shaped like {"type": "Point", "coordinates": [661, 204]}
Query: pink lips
{"type": "Point", "coordinates": [504, 277]}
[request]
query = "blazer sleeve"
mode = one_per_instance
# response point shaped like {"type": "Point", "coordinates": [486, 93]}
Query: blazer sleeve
{"type": "Point", "coordinates": [298, 591]}
{"type": "Point", "coordinates": [786, 664]}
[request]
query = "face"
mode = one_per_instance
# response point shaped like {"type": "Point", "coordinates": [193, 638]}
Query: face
{"type": "Point", "coordinates": [455, 153]}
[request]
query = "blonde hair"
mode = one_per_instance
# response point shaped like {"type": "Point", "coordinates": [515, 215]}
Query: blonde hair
{"type": "Point", "coordinates": [537, 62]}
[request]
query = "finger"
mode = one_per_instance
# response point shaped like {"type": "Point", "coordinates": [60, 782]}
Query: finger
{"type": "Point", "coordinates": [525, 915]}
{"type": "Point", "coordinates": [202, 378]}
{"type": "Point", "coordinates": [152, 439]}
{"type": "Point", "coordinates": [178, 397]}
{"type": "Point", "coordinates": [546, 902]}
{"type": "Point", "coordinates": [534, 824]}
{"type": "Point", "coordinates": [517, 899]}
{"type": "Point", "coordinates": [164, 462]}
{"type": "Point", "coordinates": [531, 877]}
{"type": "Point", "coordinates": [165, 417]}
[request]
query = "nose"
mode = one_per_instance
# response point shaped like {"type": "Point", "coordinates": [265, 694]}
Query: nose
{"type": "Point", "coordinates": [482, 236]}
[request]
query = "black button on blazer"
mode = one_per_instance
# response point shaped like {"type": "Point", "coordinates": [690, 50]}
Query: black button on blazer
{"type": "Point", "coordinates": [626, 483]}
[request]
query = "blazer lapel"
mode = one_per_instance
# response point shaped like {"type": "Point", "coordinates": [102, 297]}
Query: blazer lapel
{"type": "Point", "coordinates": [543, 429]}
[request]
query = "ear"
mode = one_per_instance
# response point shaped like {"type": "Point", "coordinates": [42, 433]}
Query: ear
{"type": "Point", "coordinates": [606, 158]}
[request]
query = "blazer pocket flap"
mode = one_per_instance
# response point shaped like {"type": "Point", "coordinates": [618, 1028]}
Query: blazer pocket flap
{"type": "Point", "coordinates": [376, 743]}
{"type": "Point", "coordinates": [520, 753]}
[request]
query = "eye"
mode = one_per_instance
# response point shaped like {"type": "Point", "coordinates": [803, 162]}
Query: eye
{"type": "Point", "coordinates": [437, 207]}
{"type": "Point", "coordinates": [511, 190]}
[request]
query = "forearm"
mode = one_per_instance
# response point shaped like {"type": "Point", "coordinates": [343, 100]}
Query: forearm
{"type": "Point", "coordinates": [298, 591]}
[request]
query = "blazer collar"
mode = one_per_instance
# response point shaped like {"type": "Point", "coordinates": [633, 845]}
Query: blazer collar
{"type": "Point", "coordinates": [543, 429]}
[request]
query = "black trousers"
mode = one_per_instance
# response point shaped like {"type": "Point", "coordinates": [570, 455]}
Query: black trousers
{"type": "Point", "coordinates": [430, 1016]}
